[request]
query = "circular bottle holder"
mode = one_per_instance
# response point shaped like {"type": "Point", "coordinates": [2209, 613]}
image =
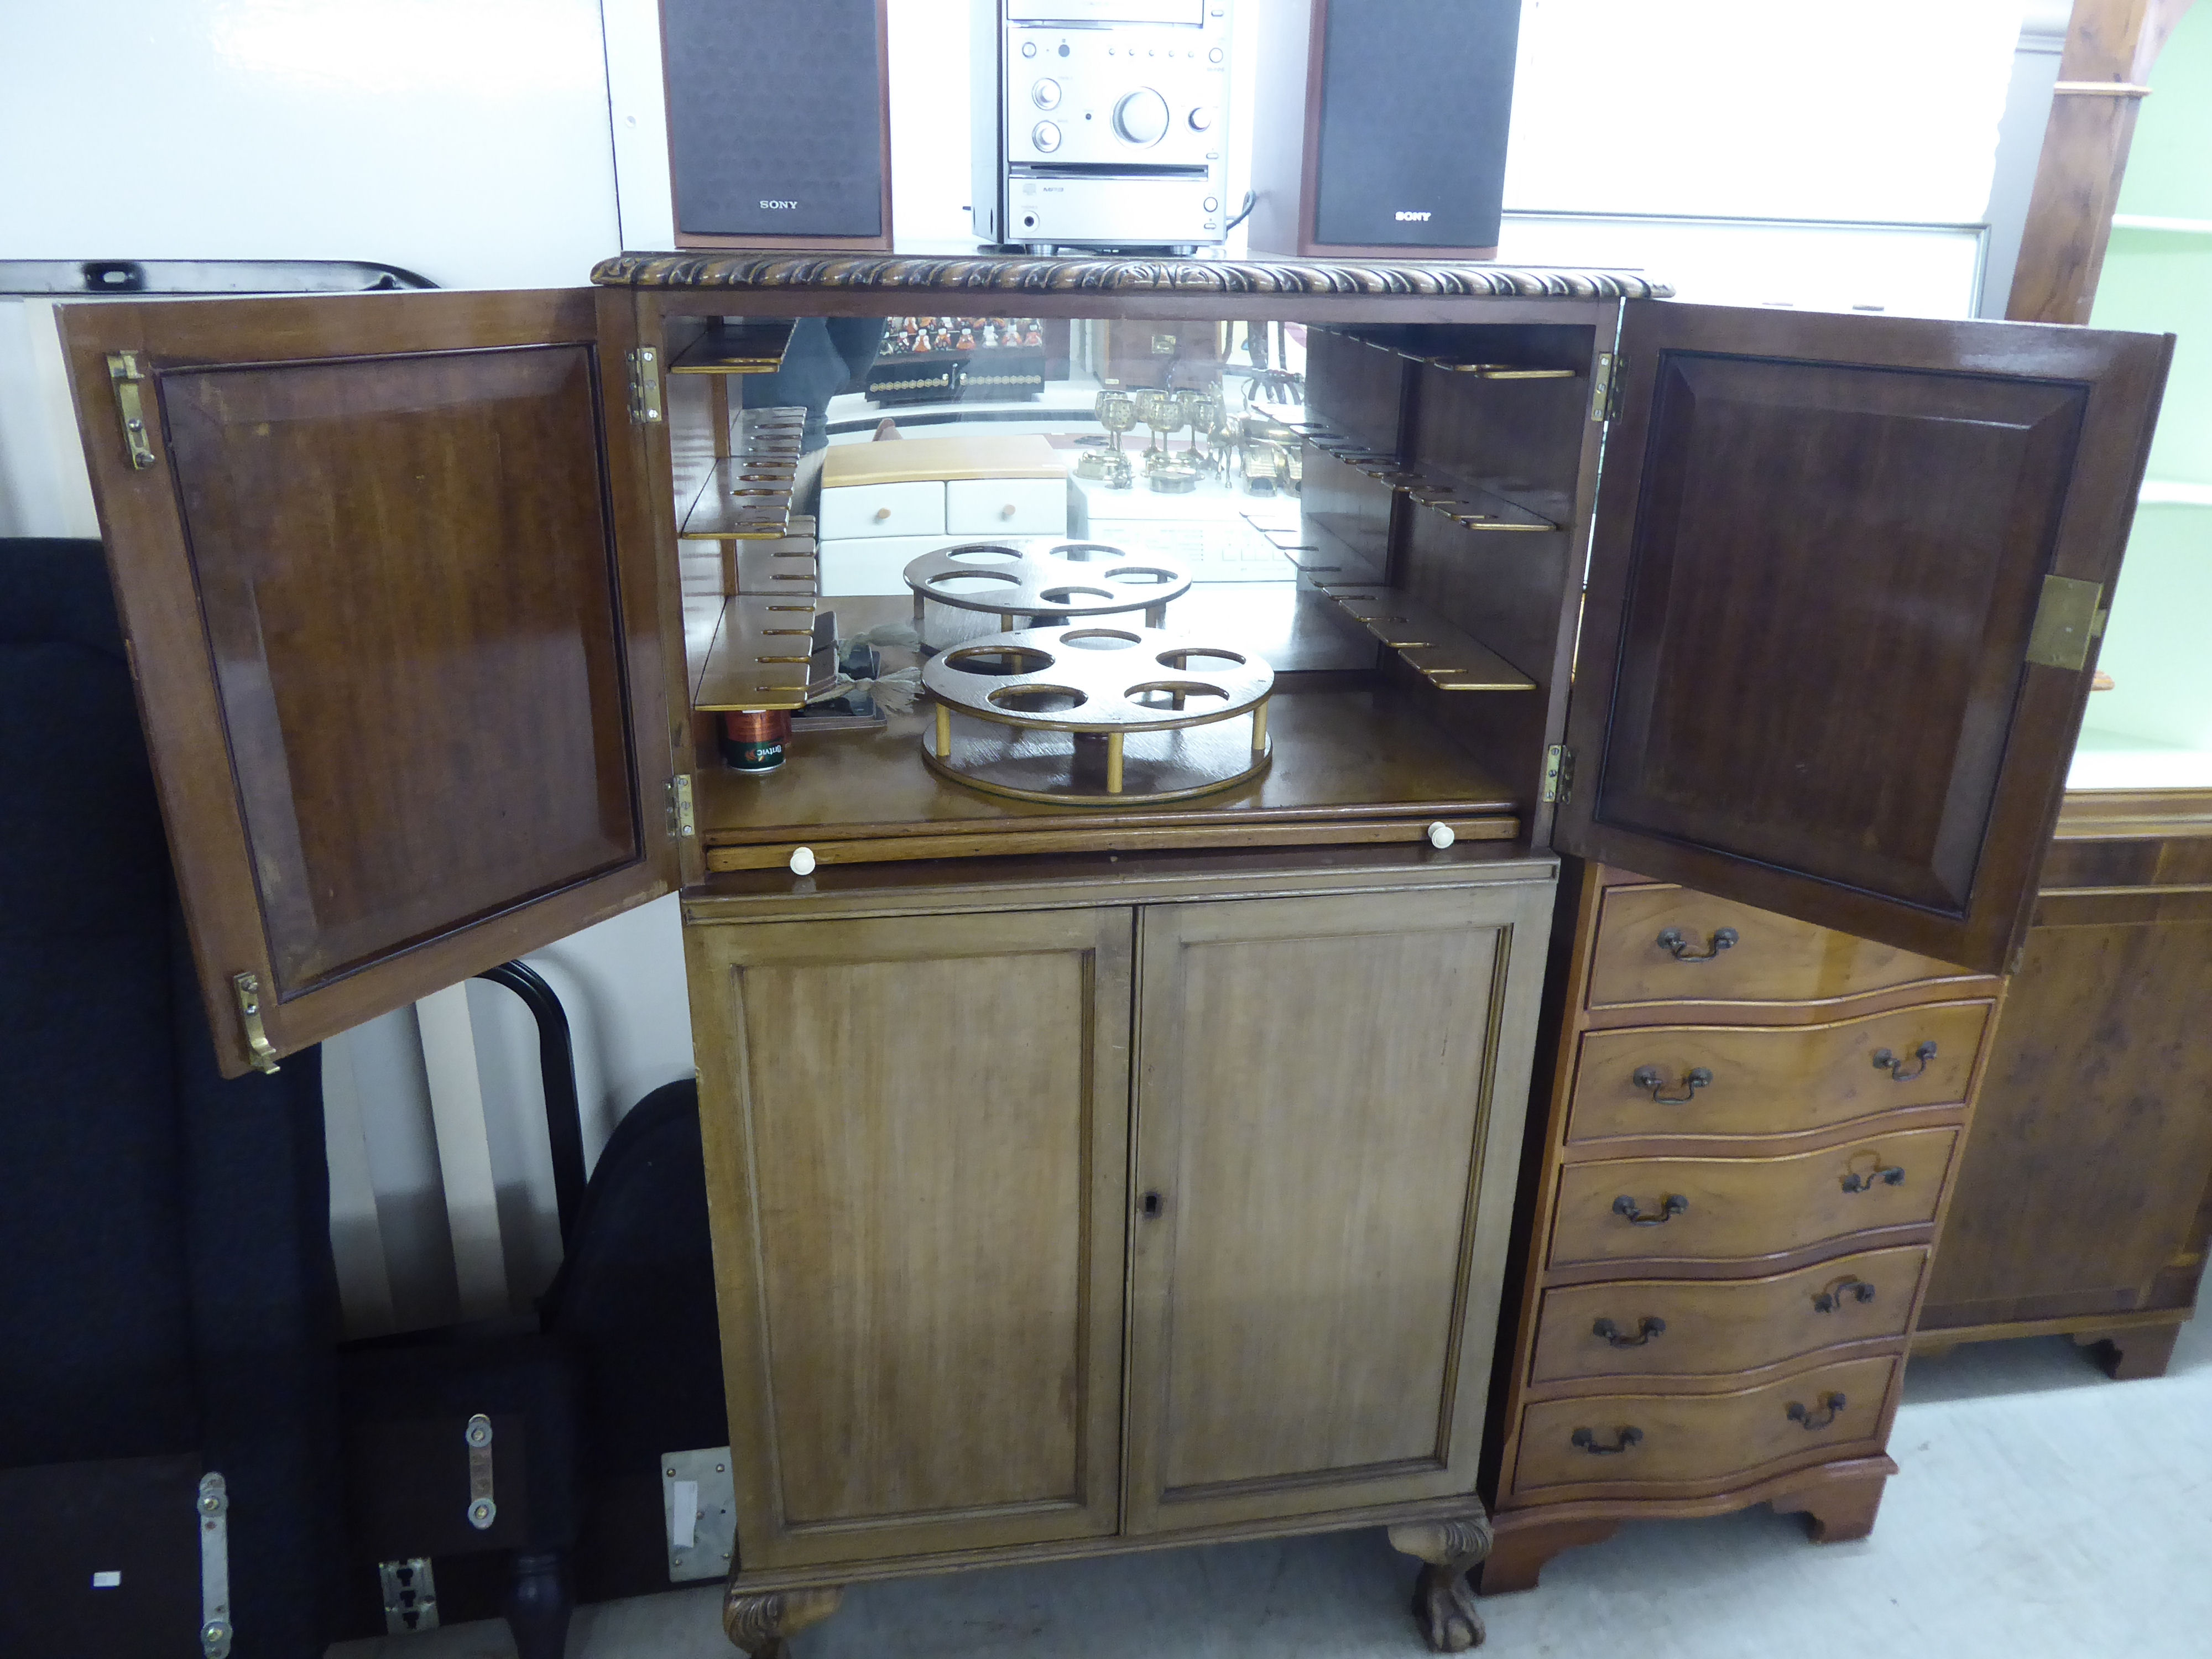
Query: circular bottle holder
{"type": "Point", "coordinates": [1042, 581]}
{"type": "Point", "coordinates": [1097, 715]}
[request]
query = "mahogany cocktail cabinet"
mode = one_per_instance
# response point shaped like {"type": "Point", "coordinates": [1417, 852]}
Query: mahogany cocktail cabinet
{"type": "Point", "coordinates": [1100, 1160]}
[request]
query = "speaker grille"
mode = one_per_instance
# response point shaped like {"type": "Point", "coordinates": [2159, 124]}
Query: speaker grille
{"type": "Point", "coordinates": [1415, 101]}
{"type": "Point", "coordinates": [771, 102]}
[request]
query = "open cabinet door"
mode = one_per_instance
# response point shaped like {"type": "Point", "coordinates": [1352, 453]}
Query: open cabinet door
{"type": "Point", "coordinates": [387, 573]}
{"type": "Point", "coordinates": [1843, 594]}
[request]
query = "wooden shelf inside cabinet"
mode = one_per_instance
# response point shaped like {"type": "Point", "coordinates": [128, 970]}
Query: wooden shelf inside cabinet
{"type": "Point", "coordinates": [746, 495]}
{"type": "Point", "coordinates": [758, 655]}
{"type": "Point", "coordinates": [750, 347]}
{"type": "Point", "coordinates": [1446, 657]}
{"type": "Point", "coordinates": [1461, 500]}
{"type": "Point", "coordinates": [1399, 343]}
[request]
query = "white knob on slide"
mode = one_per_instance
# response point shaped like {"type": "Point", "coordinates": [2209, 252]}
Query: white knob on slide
{"type": "Point", "coordinates": [802, 860]}
{"type": "Point", "coordinates": [1441, 836]}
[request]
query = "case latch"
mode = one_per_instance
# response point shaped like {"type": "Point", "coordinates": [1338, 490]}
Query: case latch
{"type": "Point", "coordinates": [247, 988]}
{"type": "Point", "coordinates": [213, 1507]}
{"type": "Point", "coordinates": [682, 819]}
{"type": "Point", "coordinates": [483, 1509]}
{"type": "Point", "coordinates": [124, 370]}
{"type": "Point", "coordinates": [645, 386]}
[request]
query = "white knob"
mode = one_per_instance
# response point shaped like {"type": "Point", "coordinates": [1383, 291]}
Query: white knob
{"type": "Point", "coordinates": [1141, 118]}
{"type": "Point", "coordinates": [1007, 511]}
{"type": "Point", "coordinates": [802, 860]}
{"type": "Point", "coordinates": [1046, 137]}
{"type": "Point", "coordinates": [1045, 95]}
{"type": "Point", "coordinates": [882, 513]}
{"type": "Point", "coordinates": [1440, 836]}
{"type": "Point", "coordinates": [1200, 119]}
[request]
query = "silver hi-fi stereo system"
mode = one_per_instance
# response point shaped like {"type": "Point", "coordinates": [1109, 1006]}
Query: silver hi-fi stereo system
{"type": "Point", "coordinates": [1102, 123]}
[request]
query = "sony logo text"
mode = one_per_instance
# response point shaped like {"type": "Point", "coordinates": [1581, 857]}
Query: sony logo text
{"type": "Point", "coordinates": [768, 202]}
{"type": "Point", "coordinates": [1404, 217]}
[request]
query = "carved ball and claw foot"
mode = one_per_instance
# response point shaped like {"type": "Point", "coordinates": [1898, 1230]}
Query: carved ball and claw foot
{"type": "Point", "coordinates": [1443, 1599]}
{"type": "Point", "coordinates": [762, 1622]}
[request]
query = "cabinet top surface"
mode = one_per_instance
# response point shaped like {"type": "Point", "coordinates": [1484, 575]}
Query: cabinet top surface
{"type": "Point", "coordinates": [1003, 273]}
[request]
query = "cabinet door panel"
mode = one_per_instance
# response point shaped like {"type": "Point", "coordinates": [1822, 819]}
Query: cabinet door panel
{"type": "Point", "coordinates": [392, 609]}
{"type": "Point", "coordinates": [1329, 1106]}
{"type": "Point", "coordinates": [916, 1140]}
{"type": "Point", "coordinates": [1804, 679]}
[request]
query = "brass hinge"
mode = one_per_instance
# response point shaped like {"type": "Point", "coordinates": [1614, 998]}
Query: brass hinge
{"type": "Point", "coordinates": [1559, 773]}
{"type": "Point", "coordinates": [2067, 623]}
{"type": "Point", "coordinates": [1605, 386]}
{"type": "Point", "coordinates": [123, 369]}
{"type": "Point", "coordinates": [645, 386]}
{"type": "Point", "coordinates": [247, 988]}
{"type": "Point", "coordinates": [681, 819]}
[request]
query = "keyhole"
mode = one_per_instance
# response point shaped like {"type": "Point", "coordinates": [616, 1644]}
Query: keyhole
{"type": "Point", "coordinates": [1151, 1206]}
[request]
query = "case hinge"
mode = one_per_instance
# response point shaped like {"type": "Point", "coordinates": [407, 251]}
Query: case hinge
{"type": "Point", "coordinates": [1559, 773]}
{"type": "Point", "coordinates": [124, 370]}
{"type": "Point", "coordinates": [681, 819]}
{"type": "Point", "coordinates": [644, 386]}
{"type": "Point", "coordinates": [247, 988]}
{"type": "Point", "coordinates": [1605, 386]}
{"type": "Point", "coordinates": [2067, 623]}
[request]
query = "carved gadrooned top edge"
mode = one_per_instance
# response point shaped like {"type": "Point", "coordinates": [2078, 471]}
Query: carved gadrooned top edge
{"type": "Point", "coordinates": [1011, 274]}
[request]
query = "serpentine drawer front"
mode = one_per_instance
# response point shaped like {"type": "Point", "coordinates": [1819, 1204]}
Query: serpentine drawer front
{"type": "Point", "coordinates": [1685, 1439]}
{"type": "Point", "coordinates": [1773, 1079]}
{"type": "Point", "coordinates": [1659, 944]}
{"type": "Point", "coordinates": [1712, 1209]}
{"type": "Point", "coordinates": [1691, 1328]}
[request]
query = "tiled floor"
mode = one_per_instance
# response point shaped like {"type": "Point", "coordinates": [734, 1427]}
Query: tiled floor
{"type": "Point", "coordinates": [2042, 1509]}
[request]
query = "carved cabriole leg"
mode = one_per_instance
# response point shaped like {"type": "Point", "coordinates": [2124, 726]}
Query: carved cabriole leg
{"type": "Point", "coordinates": [1443, 1600]}
{"type": "Point", "coordinates": [759, 1621]}
{"type": "Point", "coordinates": [1836, 1511]}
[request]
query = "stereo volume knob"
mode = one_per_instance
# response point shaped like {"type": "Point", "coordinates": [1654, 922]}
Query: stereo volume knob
{"type": "Point", "coordinates": [1141, 118]}
{"type": "Point", "coordinates": [1046, 94]}
{"type": "Point", "coordinates": [1200, 119]}
{"type": "Point", "coordinates": [1046, 137]}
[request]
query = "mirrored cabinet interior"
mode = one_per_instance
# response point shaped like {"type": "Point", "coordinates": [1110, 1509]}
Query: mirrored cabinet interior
{"type": "Point", "coordinates": [1115, 726]}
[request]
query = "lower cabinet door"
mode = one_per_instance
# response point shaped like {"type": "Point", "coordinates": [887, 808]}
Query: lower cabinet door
{"type": "Point", "coordinates": [1329, 1103]}
{"type": "Point", "coordinates": [916, 1143]}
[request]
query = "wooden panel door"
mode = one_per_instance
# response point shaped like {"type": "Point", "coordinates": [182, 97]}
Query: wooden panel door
{"type": "Point", "coordinates": [916, 1135]}
{"type": "Point", "coordinates": [1805, 680]}
{"type": "Point", "coordinates": [1331, 1093]}
{"type": "Point", "coordinates": [387, 577]}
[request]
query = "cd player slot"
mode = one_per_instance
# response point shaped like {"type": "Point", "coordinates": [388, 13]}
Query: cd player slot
{"type": "Point", "coordinates": [1110, 170]}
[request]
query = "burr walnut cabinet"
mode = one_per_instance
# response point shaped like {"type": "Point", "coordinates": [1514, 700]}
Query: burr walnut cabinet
{"type": "Point", "coordinates": [1090, 1177]}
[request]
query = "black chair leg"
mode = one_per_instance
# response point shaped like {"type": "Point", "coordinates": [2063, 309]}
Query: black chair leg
{"type": "Point", "coordinates": [538, 1604]}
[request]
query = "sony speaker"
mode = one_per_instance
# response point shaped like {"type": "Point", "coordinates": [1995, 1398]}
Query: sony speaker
{"type": "Point", "coordinates": [778, 123]}
{"type": "Point", "coordinates": [1379, 129]}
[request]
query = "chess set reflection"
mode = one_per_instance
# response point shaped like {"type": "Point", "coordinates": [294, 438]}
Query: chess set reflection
{"type": "Point", "coordinates": [1250, 449]}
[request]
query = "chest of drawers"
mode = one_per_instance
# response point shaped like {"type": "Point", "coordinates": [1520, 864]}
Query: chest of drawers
{"type": "Point", "coordinates": [1754, 1127]}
